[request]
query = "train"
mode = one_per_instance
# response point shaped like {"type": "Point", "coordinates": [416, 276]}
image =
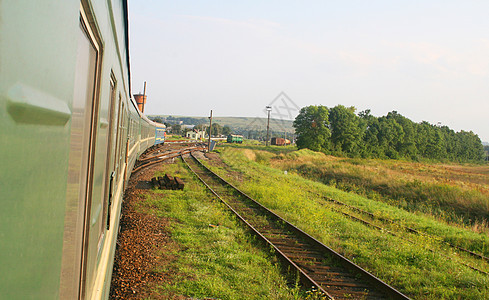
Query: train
{"type": "Point", "coordinates": [280, 141]}
{"type": "Point", "coordinates": [235, 138]}
{"type": "Point", "coordinates": [70, 136]}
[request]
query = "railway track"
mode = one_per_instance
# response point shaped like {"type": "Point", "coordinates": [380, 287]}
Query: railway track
{"type": "Point", "coordinates": [168, 146]}
{"type": "Point", "coordinates": [401, 226]}
{"type": "Point", "coordinates": [151, 150]}
{"type": "Point", "coordinates": [151, 160]}
{"type": "Point", "coordinates": [317, 265]}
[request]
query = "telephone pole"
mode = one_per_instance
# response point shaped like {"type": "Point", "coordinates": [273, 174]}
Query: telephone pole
{"type": "Point", "coordinates": [210, 130]}
{"type": "Point", "coordinates": [269, 109]}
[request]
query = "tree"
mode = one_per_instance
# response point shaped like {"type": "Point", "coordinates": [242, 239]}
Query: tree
{"type": "Point", "coordinates": [471, 148]}
{"type": "Point", "coordinates": [430, 141]}
{"type": "Point", "coordinates": [339, 131]}
{"type": "Point", "coordinates": [312, 128]}
{"type": "Point", "coordinates": [199, 127]}
{"type": "Point", "coordinates": [390, 134]}
{"type": "Point", "coordinates": [226, 130]}
{"type": "Point", "coordinates": [176, 128]}
{"type": "Point", "coordinates": [216, 129]}
{"type": "Point", "coordinates": [347, 130]}
{"type": "Point", "coordinates": [158, 119]}
{"type": "Point", "coordinates": [405, 145]}
{"type": "Point", "coordinates": [370, 138]}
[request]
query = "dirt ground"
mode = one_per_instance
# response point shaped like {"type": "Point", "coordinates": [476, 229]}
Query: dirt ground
{"type": "Point", "coordinates": [142, 237]}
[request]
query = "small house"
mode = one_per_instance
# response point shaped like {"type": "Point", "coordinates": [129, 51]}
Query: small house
{"type": "Point", "coordinates": [196, 134]}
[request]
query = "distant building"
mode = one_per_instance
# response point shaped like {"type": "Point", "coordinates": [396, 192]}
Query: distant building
{"type": "Point", "coordinates": [196, 134]}
{"type": "Point", "coordinates": [141, 100]}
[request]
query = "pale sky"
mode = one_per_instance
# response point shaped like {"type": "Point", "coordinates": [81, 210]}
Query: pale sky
{"type": "Point", "coordinates": [428, 60]}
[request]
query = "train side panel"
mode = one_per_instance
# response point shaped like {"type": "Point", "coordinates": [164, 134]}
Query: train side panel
{"type": "Point", "coordinates": [160, 135]}
{"type": "Point", "coordinates": [36, 94]}
{"type": "Point", "coordinates": [70, 136]}
{"type": "Point", "coordinates": [149, 132]}
{"type": "Point", "coordinates": [105, 188]}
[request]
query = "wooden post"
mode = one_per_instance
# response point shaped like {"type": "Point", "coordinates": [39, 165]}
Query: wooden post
{"type": "Point", "coordinates": [144, 97]}
{"type": "Point", "coordinates": [269, 109]}
{"type": "Point", "coordinates": [210, 131]}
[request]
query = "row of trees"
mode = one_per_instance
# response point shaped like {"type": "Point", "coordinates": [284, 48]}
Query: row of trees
{"type": "Point", "coordinates": [217, 129]}
{"type": "Point", "coordinates": [173, 123]}
{"type": "Point", "coordinates": [340, 131]}
{"type": "Point", "coordinates": [187, 120]}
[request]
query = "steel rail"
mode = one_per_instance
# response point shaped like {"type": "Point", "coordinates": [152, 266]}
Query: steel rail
{"type": "Point", "coordinates": [407, 228]}
{"type": "Point", "coordinates": [165, 154]}
{"type": "Point", "coordinates": [153, 149]}
{"type": "Point", "coordinates": [163, 158]}
{"type": "Point", "coordinates": [183, 142]}
{"type": "Point", "coordinates": [305, 278]}
{"type": "Point", "coordinates": [367, 223]}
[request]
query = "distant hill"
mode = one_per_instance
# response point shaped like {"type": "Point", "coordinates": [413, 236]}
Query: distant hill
{"type": "Point", "coordinates": [240, 125]}
{"type": "Point", "coordinates": [255, 124]}
{"type": "Point", "coordinates": [485, 143]}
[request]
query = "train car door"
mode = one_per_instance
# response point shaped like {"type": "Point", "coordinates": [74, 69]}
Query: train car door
{"type": "Point", "coordinates": [80, 163]}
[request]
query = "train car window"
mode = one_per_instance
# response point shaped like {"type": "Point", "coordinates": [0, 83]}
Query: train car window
{"type": "Point", "coordinates": [133, 131]}
{"type": "Point", "coordinates": [122, 148]}
{"type": "Point", "coordinates": [109, 174]}
{"type": "Point", "coordinates": [118, 124]}
{"type": "Point", "coordinates": [131, 134]}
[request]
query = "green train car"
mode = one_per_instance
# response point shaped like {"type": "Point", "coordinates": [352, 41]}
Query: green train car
{"type": "Point", "coordinates": [234, 138]}
{"type": "Point", "coordinates": [70, 135]}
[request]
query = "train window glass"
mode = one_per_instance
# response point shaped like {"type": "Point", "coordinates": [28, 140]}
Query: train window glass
{"type": "Point", "coordinates": [109, 174]}
{"type": "Point", "coordinates": [131, 132]}
{"type": "Point", "coordinates": [122, 147]}
{"type": "Point", "coordinates": [129, 128]}
{"type": "Point", "coordinates": [121, 137]}
{"type": "Point", "coordinates": [118, 137]}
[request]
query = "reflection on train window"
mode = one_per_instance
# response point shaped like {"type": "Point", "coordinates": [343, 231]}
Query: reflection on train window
{"type": "Point", "coordinates": [117, 123]}
{"type": "Point", "coordinates": [109, 174]}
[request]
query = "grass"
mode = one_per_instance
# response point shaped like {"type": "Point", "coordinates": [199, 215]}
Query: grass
{"type": "Point", "coordinates": [255, 145]}
{"type": "Point", "coordinates": [454, 193]}
{"type": "Point", "coordinates": [419, 266]}
{"type": "Point", "coordinates": [217, 257]}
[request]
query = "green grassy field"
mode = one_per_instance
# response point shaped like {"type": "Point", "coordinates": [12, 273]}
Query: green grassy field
{"type": "Point", "coordinates": [422, 266]}
{"type": "Point", "coordinates": [455, 193]}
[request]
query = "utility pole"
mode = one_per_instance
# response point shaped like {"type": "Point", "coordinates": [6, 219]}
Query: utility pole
{"type": "Point", "coordinates": [210, 131]}
{"type": "Point", "coordinates": [144, 97]}
{"type": "Point", "coordinates": [269, 109]}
